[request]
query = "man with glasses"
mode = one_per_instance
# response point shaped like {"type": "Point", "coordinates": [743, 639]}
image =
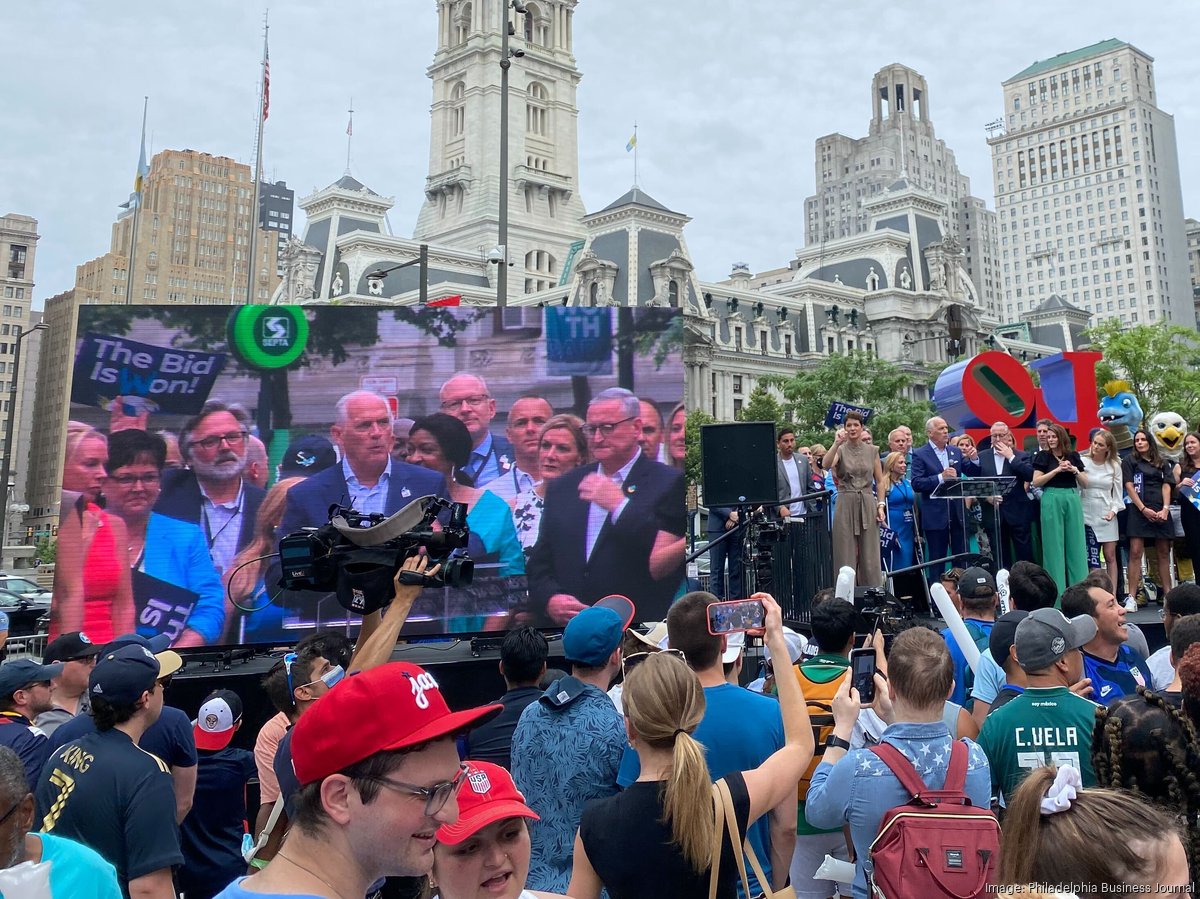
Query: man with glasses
{"type": "Point", "coordinates": [374, 787]}
{"type": "Point", "coordinates": [466, 397]}
{"type": "Point", "coordinates": [25, 694]}
{"type": "Point", "coordinates": [368, 478]}
{"type": "Point", "coordinates": [168, 737]}
{"type": "Point", "coordinates": [106, 792]}
{"type": "Point", "coordinates": [614, 526]}
{"type": "Point", "coordinates": [213, 491]}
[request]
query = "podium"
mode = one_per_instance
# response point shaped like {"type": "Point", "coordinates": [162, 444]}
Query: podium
{"type": "Point", "coordinates": [979, 488]}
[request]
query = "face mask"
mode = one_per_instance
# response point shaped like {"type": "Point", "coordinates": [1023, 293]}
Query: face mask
{"type": "Point", "coordinates": [333, 676]}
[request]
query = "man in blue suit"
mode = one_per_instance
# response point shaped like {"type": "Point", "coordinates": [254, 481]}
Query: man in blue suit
{"type": "Point", "coordinates": [367, 479]}
{"type": "Point", "coordinates": [1017, 511]}
{"type": "Point", "coordinates": [942, 522]}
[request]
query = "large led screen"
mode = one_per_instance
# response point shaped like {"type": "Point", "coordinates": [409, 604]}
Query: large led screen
{"type": "Point", "coordinates": [200, 437]}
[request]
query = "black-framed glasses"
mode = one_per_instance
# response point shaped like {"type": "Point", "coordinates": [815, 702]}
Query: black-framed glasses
{"type": "Point", "coordinates": [436, 796]}
{"type": "Point", "coordinates": [631, 661]}
{"type": "Point", "coordinates": [604, 430]}
{"type": "Point", "coordinates": [234, 438]}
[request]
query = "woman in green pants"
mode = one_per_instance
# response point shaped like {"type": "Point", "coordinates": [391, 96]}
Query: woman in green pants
{"type": "Point", "coordinates": [1058, 470]}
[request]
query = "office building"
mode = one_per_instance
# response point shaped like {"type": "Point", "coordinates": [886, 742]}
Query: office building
{"type": "Point", "coordinates": [276, 206]}
{"type": "Point", "coordinates": [1087, 190]}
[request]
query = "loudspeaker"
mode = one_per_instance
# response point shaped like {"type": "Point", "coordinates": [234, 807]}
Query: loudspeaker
{"type": "Point", "coordinates": [737, 464]}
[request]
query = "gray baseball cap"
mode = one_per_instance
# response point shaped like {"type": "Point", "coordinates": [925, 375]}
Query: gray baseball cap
{"type": "Point", "coordinates": [1046, 635]}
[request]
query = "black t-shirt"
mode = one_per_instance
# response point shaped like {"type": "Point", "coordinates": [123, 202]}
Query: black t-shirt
{"type": "Point", "coordinates": [1147, 480]}
{"type": "Point", "coordinates": [1046, 461]}
{"type": "Point", "coordinates": [212, 831]}
{"type": "Point", "coordinates": [285, 773]}
{"type": "Point", "coordinates": [1006, 695]}
{"type": "Point", "coordinates": [103, 791]}
{"type": "Point", "coordinates": [492, 742]}
{"type": "Point", "coordinates": [631, 849]}
{"type": "Point", "coordinates": [170, 737]}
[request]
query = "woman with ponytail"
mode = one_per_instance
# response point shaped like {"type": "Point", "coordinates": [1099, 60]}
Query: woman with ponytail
{"type": "Point", "coordinates": [655, 840]}
{"type": "Point", "coordinates": [1060, 836]}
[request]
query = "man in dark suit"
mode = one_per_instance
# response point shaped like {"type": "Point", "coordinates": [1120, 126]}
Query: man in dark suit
{"type": "Point", "coordinates": [720, 520]}
{"type": "Point", "coordinates": [612, 527]}
{"type": "Point", "coordinates": [367, 479]}
{"type": "Point", "coordinates": [1017, 511]}
{"type": "Point", "coordinates": [466, 397]}
{"type": "Point", "coordinates": [942, 521]}
{"type": "Point", "coordinates": [213, 491]}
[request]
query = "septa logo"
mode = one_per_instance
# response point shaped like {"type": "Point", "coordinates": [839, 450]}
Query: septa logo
{"type": "Point", "coordinates": [276, 331]}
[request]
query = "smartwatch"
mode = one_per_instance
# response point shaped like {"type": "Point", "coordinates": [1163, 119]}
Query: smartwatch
{"type": "Point", "coordinates": [835, 742]}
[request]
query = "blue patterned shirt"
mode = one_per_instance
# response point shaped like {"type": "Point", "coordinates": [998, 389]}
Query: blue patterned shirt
{"type": "Point", "coordinates": [565, 752]}
{"type": "Point", "coordinates": [860, 788]}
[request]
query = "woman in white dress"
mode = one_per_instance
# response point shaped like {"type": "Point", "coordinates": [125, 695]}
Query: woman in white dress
{"type": "Point", "coordinates": [1104, 497]}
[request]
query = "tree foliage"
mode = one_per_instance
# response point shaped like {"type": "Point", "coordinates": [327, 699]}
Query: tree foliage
{"type": "Point", "coordinates": [1161, 363]}
{"type": "Point", "coordinates": [691, 460]}
{"type": "Point", "coordinates": [858, 378]}
{"type": "Point", "coordinates": [762, 406]}
{"type": "Point", "coordinates": [46, 549]}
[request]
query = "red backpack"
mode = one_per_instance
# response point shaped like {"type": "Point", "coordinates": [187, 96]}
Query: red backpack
{"type": "Point", "coordinates": [937, 844]}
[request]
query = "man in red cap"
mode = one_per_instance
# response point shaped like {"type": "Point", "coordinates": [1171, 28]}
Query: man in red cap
{"type": "Point", "coordinates": [375, 787]}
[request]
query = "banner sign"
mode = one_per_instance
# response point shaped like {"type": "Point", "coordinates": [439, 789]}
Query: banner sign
{"type": "Point", "coordinates": [837, 414]}
{"type": "Point", "coordinates": [175, 381]}
{"type": "Point", "coordinates": [579, 342]}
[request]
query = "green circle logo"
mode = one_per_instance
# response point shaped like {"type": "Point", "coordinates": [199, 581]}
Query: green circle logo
{"type": "Point", "coordinates": [268, 337]}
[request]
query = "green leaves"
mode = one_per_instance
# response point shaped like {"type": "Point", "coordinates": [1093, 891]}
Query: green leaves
{"type": "Point", "coordinates": [1160, 362]}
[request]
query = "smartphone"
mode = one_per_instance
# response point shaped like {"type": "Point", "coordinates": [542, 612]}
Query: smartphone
{"type": "Point", "coordinates": [735, 615]}
{"type": "Point", "coordinates": [862, 673]}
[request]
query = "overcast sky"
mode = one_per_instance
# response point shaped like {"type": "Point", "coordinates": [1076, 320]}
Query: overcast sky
{"type": "Point", "coordinates": [729, 98]}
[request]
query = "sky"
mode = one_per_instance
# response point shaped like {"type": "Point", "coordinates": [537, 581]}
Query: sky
{"type": "Point", "coordinates": [728, 97]}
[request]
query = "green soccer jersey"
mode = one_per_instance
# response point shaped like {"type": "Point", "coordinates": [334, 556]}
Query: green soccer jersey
{"type": "Point", "coordinates": [1042, 726]}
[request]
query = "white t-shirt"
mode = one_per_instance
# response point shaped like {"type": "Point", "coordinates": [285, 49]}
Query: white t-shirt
{"type": "Point", "coordinates": [1162, 672]}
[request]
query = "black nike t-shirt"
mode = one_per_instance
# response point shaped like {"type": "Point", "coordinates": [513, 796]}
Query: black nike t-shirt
{"type": "Point", "coordinates": [103, 791]}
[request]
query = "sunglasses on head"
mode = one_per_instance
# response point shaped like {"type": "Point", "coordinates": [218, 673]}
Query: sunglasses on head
{"type": "Point", "coordinates": [632, 661]}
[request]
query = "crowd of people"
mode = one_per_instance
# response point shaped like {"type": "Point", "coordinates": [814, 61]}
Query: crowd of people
{"type": "Point", "coordinates": [168, 532]}
{"type": "Point", "coordinates": [639, 771]}
{"type": "Point", "coordinates": [1132, 515]}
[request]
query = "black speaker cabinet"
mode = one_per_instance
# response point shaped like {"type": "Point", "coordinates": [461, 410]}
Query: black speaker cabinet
{"type": "Point", "coordinates": [737, 463]}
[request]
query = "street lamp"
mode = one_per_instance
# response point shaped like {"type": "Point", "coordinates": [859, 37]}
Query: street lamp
{"type": "Point", "coordinates": [506, 58]}
{"type": "Point", "coordinates": [5, 466]}
{"type": "Point", "coordinates": [422, 260]}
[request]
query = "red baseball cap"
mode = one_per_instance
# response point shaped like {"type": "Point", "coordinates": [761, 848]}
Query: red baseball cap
{"type": "Point", "coordinates": [390, 707]}
{"type": "Point", "coordinates": [488, 795]}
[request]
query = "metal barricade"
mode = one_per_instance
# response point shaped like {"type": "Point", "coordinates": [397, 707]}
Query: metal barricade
{"type": "Point", "coordinates": [31, 646]}
{"type": "Point", "coordinates": [802, 564]}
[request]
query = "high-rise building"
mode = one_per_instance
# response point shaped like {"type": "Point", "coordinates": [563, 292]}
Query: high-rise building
{"type": "Point", "coordinates": [51, 410]}
{"type": "Point", "coordinates": [18, 249]}
{"type": "Point", "coordinates": [1087, 190]}
{"type": "Point", "coordinates": [193, 238]}
{"type": "Point", "coordinates": [462, 191]}
{"type": "Point", "coordinates": [1192, 228]}
{"type": "Point", "coordinates": [276, 205]}
{"type": "Point", "coordinates": [900, 143]}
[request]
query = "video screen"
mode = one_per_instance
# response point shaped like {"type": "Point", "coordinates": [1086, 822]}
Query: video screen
{"type": "Point", "coordinates": [201, 437]}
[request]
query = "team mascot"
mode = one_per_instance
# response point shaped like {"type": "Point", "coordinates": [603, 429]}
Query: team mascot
{"type": "Point", "coordinates": [1121, 413]}
{"type": "Point", "coordinates": [1168, 430]}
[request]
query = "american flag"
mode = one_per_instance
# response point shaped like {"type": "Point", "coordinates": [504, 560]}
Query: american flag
{"type": "Point", "coordinates": [266, 84]}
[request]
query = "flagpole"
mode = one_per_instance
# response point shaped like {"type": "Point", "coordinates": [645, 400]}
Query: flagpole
{"type": "Point", "coordinates": [635, 159]}
{"type": "Point", "coordinates": [139, 186]}
{"type": "Point", "coordinates": [349, 135]}
{"type": "Point", "coordinates": [263, 101]}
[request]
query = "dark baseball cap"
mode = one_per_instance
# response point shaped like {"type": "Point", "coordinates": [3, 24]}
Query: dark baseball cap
{"type": "Point", "coordinates": [1046, 635]}
{"type": "Point", "coordinates": [70, 647]}
{"type": "Point", "coordinates": [17, 675]}
{"type": "Point", "coordinates": [306, 456]}
{"type": "Point", "coordinates": [155, 644]}
{"type": "Point", "coordinates": [123, 675]}
{"type": "Point", "coordinates": [1004, 633]}
{"type": "Point", "coordinates": [976, 583]}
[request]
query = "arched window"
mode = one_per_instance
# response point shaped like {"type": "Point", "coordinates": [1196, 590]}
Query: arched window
{"type": "Point", "coordinates": [673, 293]}
{"type": "Point", "coordinates": [594, 293]}
{"type": "Point", "coordinates": [458, 112]}
{"type": "Point", "coordinates": [536, 26]}
{"type": "Point", "coordinates": [462, 23]}
{"type": "Point", "coordinates": [537, 114]}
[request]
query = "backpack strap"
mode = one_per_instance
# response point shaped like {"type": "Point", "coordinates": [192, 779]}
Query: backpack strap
{"type": "Point", "coordinates": [900, 766]}
{"type": "Point", "coordinates": [956, 773]}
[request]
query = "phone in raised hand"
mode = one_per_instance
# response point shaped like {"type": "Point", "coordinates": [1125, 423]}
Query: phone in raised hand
{"type": "Point", "coordinates": [735, 615]}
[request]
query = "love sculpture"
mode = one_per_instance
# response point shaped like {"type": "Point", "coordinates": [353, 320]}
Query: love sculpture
{"type": "Point", "coordinates": [993, 386]}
